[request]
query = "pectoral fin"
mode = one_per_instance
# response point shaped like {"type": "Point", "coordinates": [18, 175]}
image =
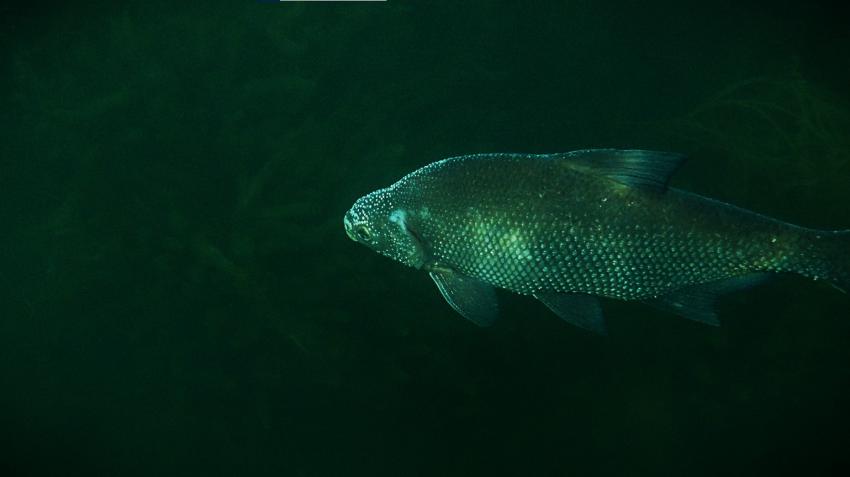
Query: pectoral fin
{"type": "Point", "coordinates": [577, 309]}
{"type": "Point", "coordinates": [698, 302]}
{"type": "Point", "coordinates": [472, 298]}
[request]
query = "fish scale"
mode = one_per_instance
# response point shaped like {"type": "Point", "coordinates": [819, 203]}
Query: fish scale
{"type": "Point", "coordinates": [567, 228]}
{"type": "Point", "coordinates": [572, 247]}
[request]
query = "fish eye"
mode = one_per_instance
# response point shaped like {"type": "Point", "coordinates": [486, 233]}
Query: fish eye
{"type": "Point", "coordinates": [363, 232]}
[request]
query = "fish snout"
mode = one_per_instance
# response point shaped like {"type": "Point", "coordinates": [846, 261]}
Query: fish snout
{"type": "Point", "coordinates": [357, 226]}
{"type": "Point", "coordinates": [348, 222]}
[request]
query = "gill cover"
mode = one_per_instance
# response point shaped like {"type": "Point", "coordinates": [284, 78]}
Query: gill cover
{"type": "Point", "coordinates": [413, 248]}
{"type": "Point", "coordinates": [472, 298]}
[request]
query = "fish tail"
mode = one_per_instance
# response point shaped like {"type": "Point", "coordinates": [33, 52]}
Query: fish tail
{"type": "Point", "coordinates": [825, 255]}
{"type": "Point", "coordinates": [840, 276]}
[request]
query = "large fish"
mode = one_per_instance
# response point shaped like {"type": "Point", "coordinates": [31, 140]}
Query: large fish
{"type": "Point", "coordinates": [568, 228]}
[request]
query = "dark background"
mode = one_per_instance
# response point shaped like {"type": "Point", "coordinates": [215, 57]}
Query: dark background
{"type": "Point", "coordinates": [177, 294]}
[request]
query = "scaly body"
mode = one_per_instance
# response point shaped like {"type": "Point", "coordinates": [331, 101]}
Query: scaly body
{"type": "Point", "coordinates": [569, 226]}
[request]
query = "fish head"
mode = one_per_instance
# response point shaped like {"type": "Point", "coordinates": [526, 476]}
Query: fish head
{"type": "Point", "coordinates": [379, 222]}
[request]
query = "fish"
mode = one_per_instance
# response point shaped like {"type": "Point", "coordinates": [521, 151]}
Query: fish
{"type": "Point", "coordinates": [571, 228]}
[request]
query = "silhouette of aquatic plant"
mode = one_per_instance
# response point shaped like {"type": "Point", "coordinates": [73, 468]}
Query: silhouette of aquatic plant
{"type": "Point", "coordinates": [786, 134]}
{"type": "Point", "coordinates": [792, 110]}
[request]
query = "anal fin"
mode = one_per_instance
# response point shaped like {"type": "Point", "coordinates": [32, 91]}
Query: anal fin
{"type": "Point", "coordinates": [698, 302]}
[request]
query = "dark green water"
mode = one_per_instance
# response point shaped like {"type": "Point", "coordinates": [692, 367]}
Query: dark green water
{"type": "Point", "coordinates": [178, 296]}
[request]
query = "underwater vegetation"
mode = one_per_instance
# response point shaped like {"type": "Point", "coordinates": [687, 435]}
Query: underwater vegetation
{"type": "Point", "coordinates": [205, 166]}
{"type": "Point", "coordinates": [781, 136]}
{"type": "Point", "coordinates": [176, 280]}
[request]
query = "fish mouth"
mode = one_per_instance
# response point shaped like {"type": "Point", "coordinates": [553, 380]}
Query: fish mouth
{"type": "Point", "coordinates": [350, 235]}
{"type": "Point", "coordinates": [349, 226]}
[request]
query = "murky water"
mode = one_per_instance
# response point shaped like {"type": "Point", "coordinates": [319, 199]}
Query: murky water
{"type": "Point", "coordinates": [178, 295]}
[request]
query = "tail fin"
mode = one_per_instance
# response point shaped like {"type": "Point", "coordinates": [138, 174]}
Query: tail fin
{"type": "Point", "coordinates": [840, 261]}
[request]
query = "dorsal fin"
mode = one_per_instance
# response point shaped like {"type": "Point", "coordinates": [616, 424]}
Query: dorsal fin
{"type": "Point", "coordinates": [632, 167]}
